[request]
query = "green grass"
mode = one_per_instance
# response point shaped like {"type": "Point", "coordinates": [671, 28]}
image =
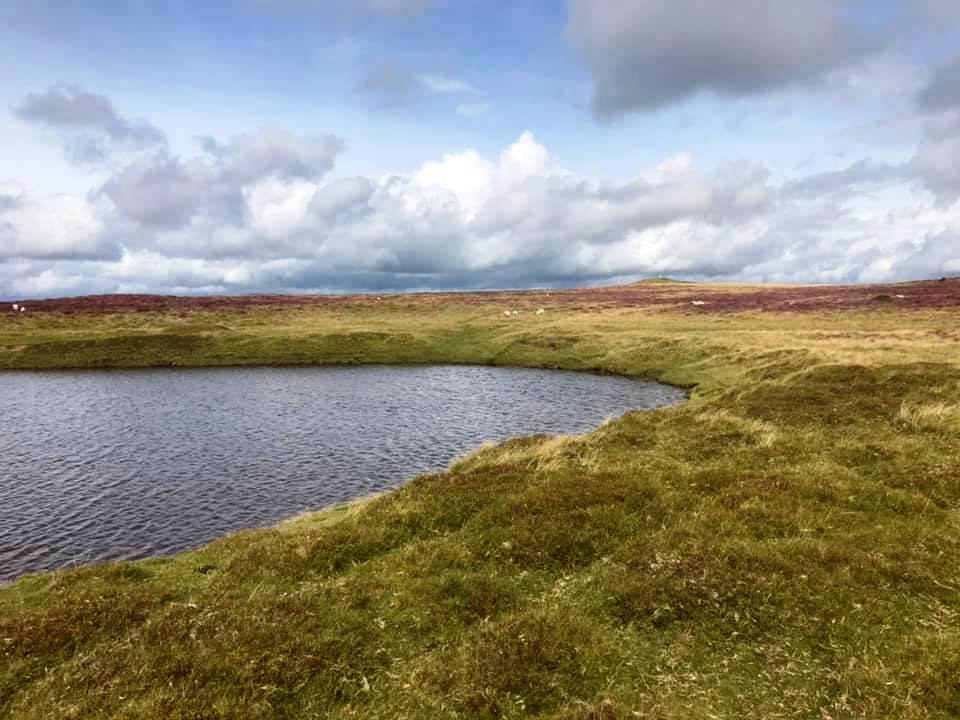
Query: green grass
{"type": "Point", "coordinates": [784, 545]}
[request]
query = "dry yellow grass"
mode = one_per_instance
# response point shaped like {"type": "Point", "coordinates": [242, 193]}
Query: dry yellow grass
{"type": "Point", "coordinates": [932, 416]}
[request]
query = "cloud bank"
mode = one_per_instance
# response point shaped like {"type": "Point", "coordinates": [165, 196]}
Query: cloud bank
{"type": "Point", "coordinates": [266, 210]}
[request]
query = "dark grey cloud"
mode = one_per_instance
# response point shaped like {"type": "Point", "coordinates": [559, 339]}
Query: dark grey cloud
{"type": "Point", "coordinates": [8, 201]}
{"type": "Point", "coordinates": [861, 174]}
{"type": "Point", "coordinates": [247, 158]}
{"type": "Point", "coordinates": [315, 277]}
{"type": "Point", "coordinates": [937, 160]}
{"type": "Point", "coordinates": [935, 11]}
{"type": "Point", "coordinates": [644, 54]}
{"type": "Point", "coordinates": [936, 254]}
{"type": "Point", "coordinates": [91, 127]}
{"type": "Point", "coordinates": [208, 144]}
{"type": "Point", "coordinates": [943, 90]}
{"type": "Point", "coordinates": [162, 192]}
{"type": "Point", "coordinates": [343, 200]}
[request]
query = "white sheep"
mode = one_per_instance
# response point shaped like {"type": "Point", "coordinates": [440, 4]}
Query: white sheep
{"type": "Point", "coordinates": [515, 313]}
{"type": "Point", "coordinates": [23, 308]}
{"type": "Point", "coordinates": [900, 297]}
{"type": "Point", "coordinates": [698, 303]}
{"type": "Point", "coordinates": [15, 307]}
{"type": "Point", "coordinates": [541, 311]}
{"type": "Point", "coordinates": [506, 313]}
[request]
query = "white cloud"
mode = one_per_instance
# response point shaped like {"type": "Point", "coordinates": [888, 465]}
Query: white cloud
{"type": "Point", "coordinates": [278, 208]}
{"type": "Point", "coordinates": [60, 226]}
{"type": "Point", "coordinates": [474, 110]}
{"type": "Point", "coordinates": [392, 86]}
{"type": "Point", "coordinates": [446, 85]}
{"type": "Point", "coordinates": [250, 216]}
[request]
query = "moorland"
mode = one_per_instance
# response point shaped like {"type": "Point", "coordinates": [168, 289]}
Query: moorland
{"type": "Point", "coordinates": [785, 544]}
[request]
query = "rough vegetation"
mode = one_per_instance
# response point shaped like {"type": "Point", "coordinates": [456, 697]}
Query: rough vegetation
{"type": "Point", "coordinates": [784, 545]}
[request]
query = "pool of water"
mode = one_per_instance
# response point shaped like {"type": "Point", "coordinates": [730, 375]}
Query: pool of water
{"type": "Point", "coordinates": [129, 464]}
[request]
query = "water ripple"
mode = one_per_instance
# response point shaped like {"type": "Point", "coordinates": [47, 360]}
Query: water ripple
{"type": "Point", "coordinates": [104, 465]}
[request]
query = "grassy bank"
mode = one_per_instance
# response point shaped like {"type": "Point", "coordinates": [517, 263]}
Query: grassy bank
{"type": "Point", "coordinates": [786, 544]}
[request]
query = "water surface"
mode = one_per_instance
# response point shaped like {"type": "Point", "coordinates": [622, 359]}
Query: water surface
{"type": "Point", "coordinates": [127, 464]}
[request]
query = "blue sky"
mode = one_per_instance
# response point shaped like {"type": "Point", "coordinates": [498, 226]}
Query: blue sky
{"type": "Point", "coordinates": [418, 144]}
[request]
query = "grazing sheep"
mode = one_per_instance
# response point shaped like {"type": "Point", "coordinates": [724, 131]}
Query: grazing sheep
{"type": "Point", "coordinates": [698, 303]}
{"type": "Point", "coordinates": [15, 307]}
{"type": "Point", "coordinates": [506, 313]}
{"type": "Point", "coordinates": [515, 313]}
{"type": "Point", "coordinates": [23, 309]}
{"type": "Point", "coordinates": [541, 311]}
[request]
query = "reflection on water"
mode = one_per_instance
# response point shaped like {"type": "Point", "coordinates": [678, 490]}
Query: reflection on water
{"type": "Point", "coordinates": [102, 465]}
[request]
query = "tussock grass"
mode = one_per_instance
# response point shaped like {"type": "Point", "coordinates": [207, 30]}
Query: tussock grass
{"type": "Point", "coordinates": [764, 434]}
{"type": "Point", "coordinates": [786, 544]}
{"type": "Point", "coordinates": [932, 416]}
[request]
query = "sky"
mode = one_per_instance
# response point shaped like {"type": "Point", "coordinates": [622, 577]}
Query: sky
{"type": "Point", "coordinates": [235, 146]}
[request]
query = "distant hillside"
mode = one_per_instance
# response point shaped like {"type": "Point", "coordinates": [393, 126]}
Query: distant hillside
{"type": "Point", "coordinates": [662, 281]}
